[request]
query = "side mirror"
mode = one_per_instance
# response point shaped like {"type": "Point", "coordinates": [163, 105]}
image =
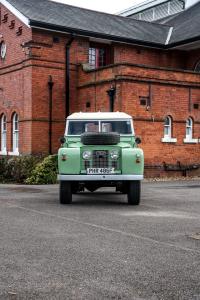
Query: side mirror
{"type": "Point", "coordinates": [62, 140]}
{"type": "Point", "coordinates": [138, 140]}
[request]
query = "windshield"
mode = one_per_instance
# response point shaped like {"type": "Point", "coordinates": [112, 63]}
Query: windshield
{"type": "Point", "coordinates": [121, 127]}
{"type": "Point", "coordinates": [79, 127]}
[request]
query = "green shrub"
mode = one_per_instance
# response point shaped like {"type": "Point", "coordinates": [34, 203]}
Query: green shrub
{"type": "Point", "coordinates": [3, 163]}
{"type": "Point", "coordinates": [45, 172]}
{"type": "Point", "coordinates": [18, 168]}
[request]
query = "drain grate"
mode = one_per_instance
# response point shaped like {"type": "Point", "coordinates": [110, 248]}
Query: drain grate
{"type": "Point", "coordinates": [195, 236]}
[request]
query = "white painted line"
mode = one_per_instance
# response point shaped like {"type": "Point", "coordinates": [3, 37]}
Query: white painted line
{"type": "Point", "coordinates": [169, 35]}
{"type": "Point", "coordinates": [108, 229]}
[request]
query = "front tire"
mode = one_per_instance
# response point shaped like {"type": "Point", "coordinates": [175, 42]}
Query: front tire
{"type": "Point", "coordinates": [65, 192]}
{"type": "Point", "coordinates": [134, 190]}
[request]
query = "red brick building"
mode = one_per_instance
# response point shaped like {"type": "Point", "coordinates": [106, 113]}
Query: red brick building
{"type": "Point", "coordinates": [57, 59]}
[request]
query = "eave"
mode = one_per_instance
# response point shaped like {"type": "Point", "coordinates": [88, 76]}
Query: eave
{"type": "Point", "coordinates": [84, 33]}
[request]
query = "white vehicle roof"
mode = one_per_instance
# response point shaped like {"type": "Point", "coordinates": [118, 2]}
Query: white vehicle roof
{"type": "Point", "coordinates": [99, 116]}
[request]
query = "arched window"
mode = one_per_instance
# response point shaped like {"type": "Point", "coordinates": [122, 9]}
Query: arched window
{"type": "Point", "coordinates": [168, 127]}
{"type": "Point", "coordinates": [15, 133]}
{"type": "Point", "coordinates": [189, 132]}
{"type": "Point", "coordinates": [168, 131]}
{"type": "Point", "coordinates": [189, 128]}
{"type": "Point", "coordinates": [3, 134]}
{"type": "Point", "coordinates": [197, 67]}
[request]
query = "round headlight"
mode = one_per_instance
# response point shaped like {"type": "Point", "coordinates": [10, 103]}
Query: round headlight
{"type": "Point", "coordinates": [87, 154]}
{"type": "Point", "coordinates": [114, 154]}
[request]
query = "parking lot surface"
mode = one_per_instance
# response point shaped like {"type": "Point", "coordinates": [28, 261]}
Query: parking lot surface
{"type": "Point", "coordinates": [99, 247]}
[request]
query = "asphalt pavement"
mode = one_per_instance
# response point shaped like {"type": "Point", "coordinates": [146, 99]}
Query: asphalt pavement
{"type": "Point", "coordinates": [100, 247]}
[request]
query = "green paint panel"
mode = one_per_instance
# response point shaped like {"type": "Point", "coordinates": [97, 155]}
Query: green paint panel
{"type": "Point", "coordinates": [72, 164]}
{"type": "Point", "coordinates": [129, 164]}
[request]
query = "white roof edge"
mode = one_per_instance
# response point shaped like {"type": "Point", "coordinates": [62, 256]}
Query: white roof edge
{"type": "Point", "coordinates": [98, 116]}
{"type": "Point", "coordinates": [169, 35]}
{"type": "Point", "coordinates": [140, 7]}
{"type": "Point", "coordinates": [16, 12]}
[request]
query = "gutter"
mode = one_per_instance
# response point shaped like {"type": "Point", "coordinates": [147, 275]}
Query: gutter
{"type": "Point", "coordinates": [79, 32]}
{"type": "Point", "coordinates": [61, 29]}
{"type": "Point", "coordinates": [67, 76]}
{"type": "Point", "coordinates": [50, 85]}
{"type": "Point", "coordinates": [183, 42]}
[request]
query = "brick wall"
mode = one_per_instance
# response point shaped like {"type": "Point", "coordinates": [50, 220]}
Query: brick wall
{"type": "Point", "coordinates": [171, 93]}
{"type": "Point", "coordinates": [15, 80]}
{"type": "Point", "coordinates": [150, 57]}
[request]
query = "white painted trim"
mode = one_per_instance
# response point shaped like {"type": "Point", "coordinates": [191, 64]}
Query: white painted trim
{"type": "Point", "coordinates": [16, 12]}
{"type": "Point", "coordinates": [91, 116]}
{"type": "Point", "coordinates": [190, 141]}
{"type": "Point", "coordinates": [169, 35]}
{"type": "Point", "coordinates": [121, 177]}
{"type": "Point", "coordinates": [16, 153]}
{"type": "Point", "coordinates": [168, 140]}
{"type": "Point", "coordinates": [3, 152]}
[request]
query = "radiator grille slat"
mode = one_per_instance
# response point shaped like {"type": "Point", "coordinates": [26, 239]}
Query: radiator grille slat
{"type": "Point", "coordinates": [100, 159]}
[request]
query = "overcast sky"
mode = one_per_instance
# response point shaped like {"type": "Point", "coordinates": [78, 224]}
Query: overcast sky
{"type": "Point", "coordinates": [103, 5]}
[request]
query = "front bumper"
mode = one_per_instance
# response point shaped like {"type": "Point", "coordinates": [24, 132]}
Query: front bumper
{"type": "Point", "coordinates": [100, 177]}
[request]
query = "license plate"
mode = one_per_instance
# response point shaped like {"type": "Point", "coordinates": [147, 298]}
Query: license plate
{"type": "Point", "coordinates": [104, 171]}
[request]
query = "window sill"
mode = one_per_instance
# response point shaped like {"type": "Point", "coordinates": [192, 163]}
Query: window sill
{"type": "Point", "coordinates": [190, 141]}
{"type": "Point", "coordinates": [3, 153]}
{"type": "Point", "coordinates": [16, 153]}
{"type": "Point", "coordinates": [169, 140]}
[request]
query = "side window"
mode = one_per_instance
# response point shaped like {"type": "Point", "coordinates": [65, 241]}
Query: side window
{"type": "Point", "coordinates": [3, 133]}
{"type": "Point", "coordinates": [15, 133]}
{"type": "Point", "coordinates": [168, 127]}
{"type": "Point", "coordinates": [189, 128]}
{"type": "Point", "coordinates": [189, 132]}
{"type": "Point", "coordinates": [100, 55]}
{"type": "Point", "coordinates": [168, 131]}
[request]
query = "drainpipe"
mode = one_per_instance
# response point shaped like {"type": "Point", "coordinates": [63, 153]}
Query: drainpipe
{"type": "Point", "coordinates": [111, 93]}
{"type": "Point", "coordinates": [50, 85]}
{"type": "Point", "coordinates": [67, 76]}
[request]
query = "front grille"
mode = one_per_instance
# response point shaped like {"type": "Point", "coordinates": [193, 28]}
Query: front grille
{"type": "Point", "coordinates": [100, 159]}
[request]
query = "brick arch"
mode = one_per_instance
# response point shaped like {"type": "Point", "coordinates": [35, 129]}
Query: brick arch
{"type": "Point", "coordinates": [12, 113]}
{"type": "Point", "coordinates": [4, 112]}
{"type": "Point", "coordinates": [197, 66]}
{"type": "Point", "coordinates": [190, 117]}
{"type": "Point", "coordinates": [168, 116]}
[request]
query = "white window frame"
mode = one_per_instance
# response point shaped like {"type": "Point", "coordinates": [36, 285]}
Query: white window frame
{"type": "Point", "coordinates": [168, 131]}
{"type": "Point", "coordinates": [189, 132]}
{"type": "Point", "coordinates": [3, 150]}
{"type": "Point", "coordinates": [15, 135]}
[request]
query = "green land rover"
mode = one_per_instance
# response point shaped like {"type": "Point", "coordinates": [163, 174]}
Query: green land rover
{"type": "Point", "coordinates": [100, 150]}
